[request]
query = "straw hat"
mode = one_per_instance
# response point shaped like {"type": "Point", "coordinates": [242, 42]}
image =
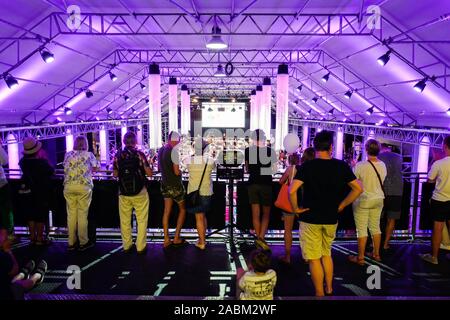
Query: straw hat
{"type": "Point", "coordinates": [31, 145]}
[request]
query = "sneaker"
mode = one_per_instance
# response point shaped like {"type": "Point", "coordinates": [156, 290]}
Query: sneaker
{"type": "Point", "coordinates": [200, 246]}
{"type": "Point", "coordinates": [71, 248]}
{"type": "Point", "coordinates": [262, 244]}
{"type": "Point", "coordinates": [428, 258]}
{"type": "Point", "coordinates": [29, 267]}
{"type": "Point", "coordinates": [86, 246]}
{"type": "Point", "coordinates": [41, 269]}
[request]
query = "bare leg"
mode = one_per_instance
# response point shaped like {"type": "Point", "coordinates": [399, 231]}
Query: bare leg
{"type": "Point", "coordinates": [376, 238]}
{"type": "Point", "coordinates": [255, 216]}
{"type": "Point", "coordinates": [390, 226]}
{"type": "Point", "coordinates": [436, 238]}
{"type": "Point", "coordinates": [361, 247]}
{"type": "Point", "coordinates": [317, 275]}
{"type": "Point", "coordinates": [265, 221]}
{"type": "Point", "coordinates": [200, 222]}
{"type": "Point", "coordinates": [166, 216]}
{"type": "Point", "coordinates": [180, 222]}
{"type": "Point", "coordinates": [288, 225]}
{"type": "Point", "coordinates": [327, 264]}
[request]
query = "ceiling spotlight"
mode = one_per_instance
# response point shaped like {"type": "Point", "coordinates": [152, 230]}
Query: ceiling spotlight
{"type": "Point", "coordinates": [11, 82]}
{"type": "Point", "coordinates": [315, 99]}
{"type": "Point", "coordinates": [420, 86]}
{"type": "Point", "coordinates": [448, 112]}
{"type": "Point", "coordinates": [112, 76]}
{"type": "Point", "coordinates": [47, 56]}
{"type": "Point", "coordinates": [344, 120]}
{"type": "Point", "coordinates": [331, 112]}
{"type": "Point", "coordinates": [126, 98]}
{"type": "Point", "coordinates": [296, 102]}
{"type": "Point", "coordinates": [309, 112]}
{"type": "Point", "coordinates": [379, 123]}
{"type": "Point", "coordinates": [299, 88]}
{"type": "Point", "coordinates": [213, 100]}
{"type": "Point", "coordinates": [109, 110]}
{"type": "Point", "coordinates": [233, 99]}
{"type": "Point", "coordinates": [326, 77]}
{"type": "Point", "coordinates": [143, 86]}
{"type": "Point", "coordinates": [216, 42]}
{"type": "Point", "coordinates": [132, 110]}
{"type": "Point", "coordinates": [147, 100]}
{"type": "Point", "coordinates": [369, 111]}
{"type": "Point", "coordinates": [219, 72]}
{"type": "Point", "coordinates": [348, 94]}
{"type": "Point", "coordinates": [89, 94]}
{"type": "Point", "coordinates": [68, 111]}
{"type": "Point", "coordinates": [384, 58]}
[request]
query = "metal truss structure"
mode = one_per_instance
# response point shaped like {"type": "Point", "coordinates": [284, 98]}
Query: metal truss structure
{"type": "Point", "coordinates": [431, 137]}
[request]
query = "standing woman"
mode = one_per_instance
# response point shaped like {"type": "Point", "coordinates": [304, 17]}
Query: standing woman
{"type": "Point", "coordinates": [201, 164]}
{"type": "Point", "coordinates": [368, 207]}
{"type": "Point", "coordinates": [36, 174]}
{"type": "Point", "coordinates": [78, 167]}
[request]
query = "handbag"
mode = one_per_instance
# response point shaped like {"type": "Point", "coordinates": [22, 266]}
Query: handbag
{"type": "Point", "coordinates": [381, 182]}
{"type": "Point", "coordinates": [283, 202]}
{"type": "Point", "coordinates": [193, 198]}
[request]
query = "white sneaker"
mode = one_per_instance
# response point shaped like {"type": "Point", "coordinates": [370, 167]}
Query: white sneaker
{"type": "Point", "coordinates": [445, 246]}
{"type": "Point", "coordinates": [428, 258]}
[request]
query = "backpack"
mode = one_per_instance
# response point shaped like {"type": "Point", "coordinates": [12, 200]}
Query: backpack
{"type": "Point", "coordinates": [131, 177]}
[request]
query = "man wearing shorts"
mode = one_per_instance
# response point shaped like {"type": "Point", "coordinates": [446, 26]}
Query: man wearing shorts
{"type": "Point", "coordinates": [393, 189]}
{"type": "Point", "coordinates": [325, 182]}
{"type": "Point", "coordinates": [440, 201]}
{"type": "Point", "coordinates": [260, 162]}
{"type": "Point", "coordinates": [172, 187]}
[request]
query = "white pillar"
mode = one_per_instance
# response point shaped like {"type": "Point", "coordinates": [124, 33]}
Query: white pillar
{"type": "Point", "coordinates": [104, 147]}
{"type": "Point", "coordinates": [339, 144]}
{"type": "Point", "coordinates": [258, 107]}
{"type": "Point", "coordinates": [185, 110]}
{"type": "Point", "coordinates": [69, 140]}
{"type": "Point", "coordinates": [139, 135]}
{"type": "Point", "coordinates": [266, 108]}
{"type": "Point", "coordinates": [13, 154]}
{"type": "Point", "coordinates": [282, 107]}
{"type": "Point", "coordinates": [305, 137]}
{"type": "Point", "coordinates": [253, 113]}
{"type": "Point", "coordinates": [423, 155]}
{"type": "Point", "coordinates": [123, 131]}
{"type": "Point", "coordinates": [173, 104]}
{"type": "Point", "coordinates": [154, 112]}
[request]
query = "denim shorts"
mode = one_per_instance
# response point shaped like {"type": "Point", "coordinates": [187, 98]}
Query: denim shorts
{"type": "Point", "coordinates": [204, 207]}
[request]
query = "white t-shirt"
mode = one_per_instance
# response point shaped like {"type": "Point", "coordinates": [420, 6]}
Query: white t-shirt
{"type": "Point", "coordinates": [258, 287]}
{"type": "Point", "coordinates": [440, 171]}
{"type": "Point", "coordinates": [367, 175]}
{"type": "Point", "coordinates": [195, 167]}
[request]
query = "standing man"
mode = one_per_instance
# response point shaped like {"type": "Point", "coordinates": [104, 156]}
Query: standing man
{"type": "Point", "coordinates": [440, 201]}
{"type": "Point", "coordinates": [325, 182]}
{"type": "Point", "coordinates": [172, 187]}
{"type": "Point", "coordinates": [131, 167]}
{"type": "Point", "coordinates": [393, 189]}
{"type": "Point", "coordinates": [260, 163]}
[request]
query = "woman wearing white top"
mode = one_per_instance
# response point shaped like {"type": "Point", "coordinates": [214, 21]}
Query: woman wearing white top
{"type": "Point", "coordinates": [195, 165]}
{"type": "Point", "coordinates": [368, 207]}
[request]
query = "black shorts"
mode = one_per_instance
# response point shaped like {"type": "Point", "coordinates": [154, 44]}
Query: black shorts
{"type": "Point", "coordinates": [260, 194]}
{"type": "Point", "coordinates": [5, 208]}
{"type": "Point", "coordinates": [393, 207]}
{"type": "Point", "coordinates": [440, 210]}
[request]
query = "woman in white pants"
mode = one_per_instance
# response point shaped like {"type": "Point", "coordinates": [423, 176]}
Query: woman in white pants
{"type": "Point", "coordinates": [78, 167]}
{"type": "Point", "coordinates": [368, 207]}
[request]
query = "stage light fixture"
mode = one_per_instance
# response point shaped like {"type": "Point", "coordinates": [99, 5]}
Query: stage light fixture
{"type": "Point", "coordinates": [309, 112]}
{"type": "Point", "coordinates": [299, 88]}
{"type": "Point", "coordinates": [89, 94]}
{"type": "Point", "coordinates": [379, 123]}
{"type": "Point", "coordinates": [10, 81]}
{"type": "Point", "coordinates": [369, 111]}
{"type": "Point", "coordinates": [382, 60]}
{"type": "Point", "coordinates": [47, 56]}
{"type": "Point", "coordinates": [112, 76]}
{"type": "Point", "coordinates": [219, 72]}
{"type": "Point", "coordinates": [326, 77]}
{"type": "Point", "coordinates": [126, 98]}
{"type": "Point", "coordinates": [216, 42]}
{"type": "Point", "coordinates": [331, 111]}
{"type": "Point", "coordinates": [448, 112]}
{"type": "Point", "coordinates": [143, 86]}
{"type": "Point", "coordinates": [420, 86]}
{"type": "Point", "coordinates": [315, 99]}
{"type": "Point", "coordinates": [348, 94]}
{"type": "Point", "coordinates": [68, 111]}
{"type": "Point", "coordinates": [233, 100]}
{"type": "Point", "coordinates": [109, 110]}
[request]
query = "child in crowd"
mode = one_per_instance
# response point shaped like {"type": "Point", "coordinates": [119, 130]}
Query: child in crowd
{"type": "Point", "coordinates": [259, 281]}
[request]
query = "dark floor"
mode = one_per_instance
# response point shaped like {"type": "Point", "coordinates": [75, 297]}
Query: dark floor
{"type": "Point", "coordinates": [108, 272]}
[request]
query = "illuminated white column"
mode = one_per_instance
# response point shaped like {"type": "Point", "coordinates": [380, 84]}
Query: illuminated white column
{"type": "Point", "coordinates": [305, 137]}
{"type": "Point", "coordinates": [104, 147]}
{"type": "Point", "coordinates": [258, 107]}
{"type": "Point", "coordinates": [282, 107]}
{"type": "Point", "coordinates": [185, 110]}
{"type": "Point", "coordinates": [69, 140]}
{"type": "Point", "coordinates": [139, 135]}
{"type": "Point", "coordinates": [13, 154]}
{"type": "Point", "coordinates": [173, 105]}
{"type": "Point", "coordinates": [123, 131]}
{"type": "Point", "coordinates": [266, 108]}
{"type": "Point", "coordinates": [154, 112]}
{"type": "Point", "coordinates": [253, 114]}
{"type": "Point", "coordinates": [423, 155]}
{"type": "Point", "coordinates": [339, 144]}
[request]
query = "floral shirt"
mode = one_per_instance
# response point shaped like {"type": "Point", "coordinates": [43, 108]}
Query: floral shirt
{"type": "Point", "coordinates": [78, 167]}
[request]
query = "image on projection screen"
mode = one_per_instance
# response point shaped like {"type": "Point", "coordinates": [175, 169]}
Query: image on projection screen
{"type": "Point", "coordinates": [223, 115]}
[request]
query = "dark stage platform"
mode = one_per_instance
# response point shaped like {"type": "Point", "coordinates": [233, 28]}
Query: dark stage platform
{"type": "Point", "coordinates": [188, 273]}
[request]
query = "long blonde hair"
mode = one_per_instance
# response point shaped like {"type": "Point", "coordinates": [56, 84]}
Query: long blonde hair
{"type": "Point", "coordinates": [80, 144]}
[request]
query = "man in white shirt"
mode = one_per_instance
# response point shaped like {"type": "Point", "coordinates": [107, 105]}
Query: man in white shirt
{"type": "Point", "coordinates": [440, 201]}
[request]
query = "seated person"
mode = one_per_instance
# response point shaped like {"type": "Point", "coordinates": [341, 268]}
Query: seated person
{"type": "Point", "coordinates": [259, 281]}
{"type": "Point", "coordinates": [22, 281]}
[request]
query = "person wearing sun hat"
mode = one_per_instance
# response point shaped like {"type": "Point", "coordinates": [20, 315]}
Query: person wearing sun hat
{"type": "Point", "coordinates": [36, 175]}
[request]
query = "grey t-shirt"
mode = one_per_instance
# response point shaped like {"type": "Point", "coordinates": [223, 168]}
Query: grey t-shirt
{"type": "Point", "coordinates": [166, 160]}
{"type": "Point", "coordinates": [393, 185]}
